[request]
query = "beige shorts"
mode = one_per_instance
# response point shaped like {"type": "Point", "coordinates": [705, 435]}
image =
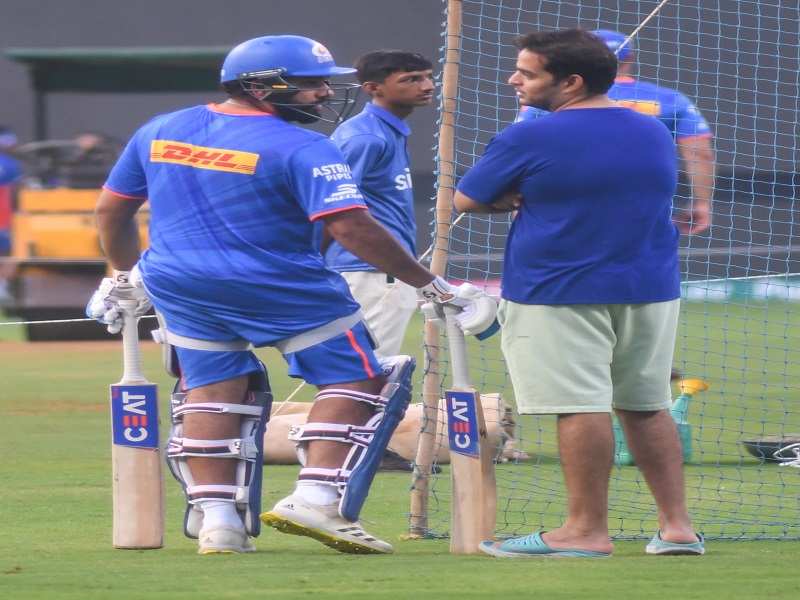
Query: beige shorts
{"type": "Point", "coordinates": [387, 307]}
{"type": "Point", "coordinates": [589, 358]}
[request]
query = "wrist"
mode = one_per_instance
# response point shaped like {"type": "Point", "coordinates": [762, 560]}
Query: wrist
{"type": "Point", "coordinates": [701, 204]}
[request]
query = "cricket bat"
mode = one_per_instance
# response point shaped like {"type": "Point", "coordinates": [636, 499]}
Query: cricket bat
{"type": "Point", "coordinates": [474, 503]}
{"type": "Point", "coordinates": [136, 456]}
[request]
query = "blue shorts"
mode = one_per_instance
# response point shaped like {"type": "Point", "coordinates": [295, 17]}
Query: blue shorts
{"type": "Point", "coordinates": [341, 359]}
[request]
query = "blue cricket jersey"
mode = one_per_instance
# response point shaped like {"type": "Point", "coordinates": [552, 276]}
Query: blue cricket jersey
{"type": "Point", "coordinates": [374, 144]}
{"type": "Point", "coordinates": [233, 198]}
{"type": "Point", "coordinates": [669, 106]}
{"type": "Point", "coordinates": [594, 226]}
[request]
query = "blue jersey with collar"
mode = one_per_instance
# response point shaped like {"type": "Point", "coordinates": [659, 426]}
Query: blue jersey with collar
{"type": "Point", "coordinates": [594, 226]}
{"type": "Point", "coordinates": [669, 106]}
{"type": "Point", "coordinates": [374, 144]}
{"type": "Point", "coordinates": [233, 198]}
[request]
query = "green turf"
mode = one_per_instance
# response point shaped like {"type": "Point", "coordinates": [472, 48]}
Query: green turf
{"type": "Point", "coordinates": [9, 331]}
{"type": "Point", "coordinates": [55, 518]}
{"type": "Point", "coordinates": [746, 351]}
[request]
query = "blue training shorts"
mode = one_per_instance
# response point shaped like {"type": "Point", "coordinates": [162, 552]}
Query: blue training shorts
{"type": "Point", "coordinates": [341, 359]}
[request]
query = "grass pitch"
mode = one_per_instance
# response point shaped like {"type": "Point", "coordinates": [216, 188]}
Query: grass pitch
{"type": "Point", "coordinates": [55, 518]}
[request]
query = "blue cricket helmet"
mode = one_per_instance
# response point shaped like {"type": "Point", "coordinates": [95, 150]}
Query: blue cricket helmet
{"type": "Point", "coordinates": [614, 40]}
{"type": "Point", "coordinates": [280, 56]}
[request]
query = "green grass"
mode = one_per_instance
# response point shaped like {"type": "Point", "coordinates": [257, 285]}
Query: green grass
{"type": "Point", "coordinates": [9, 331]}
{"type": "Point", "coordinates": [55, 515]}
{"type": "Point", "coordinates": [747, 352]}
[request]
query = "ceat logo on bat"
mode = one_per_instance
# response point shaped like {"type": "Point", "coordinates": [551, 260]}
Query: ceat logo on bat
{"type": "Point", "coordinates": [134, 416]}
{"type": "Point", "coordinates": [462, 423]}
{"type": "Point", "coordinates": [201, 157]}
{"type": "Point", "coordinates": [322, 53]}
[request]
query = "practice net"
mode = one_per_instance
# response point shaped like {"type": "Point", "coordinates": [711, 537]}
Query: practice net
{"type": "Point", "coordinates": [740, 316]}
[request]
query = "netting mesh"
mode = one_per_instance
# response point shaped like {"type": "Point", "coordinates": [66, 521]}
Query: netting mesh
{"type": "Point", "coordinates": [739, 322]}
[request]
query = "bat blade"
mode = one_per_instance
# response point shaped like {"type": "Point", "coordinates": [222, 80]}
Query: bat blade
{"type": "Point", "coordinates": [137, 469]}
{"type": "Point", "coordinates": [474, 493]}
{"type": "Point", "coordinates": [474, 505]}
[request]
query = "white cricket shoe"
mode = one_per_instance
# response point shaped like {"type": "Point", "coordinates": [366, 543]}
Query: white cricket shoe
{"type": "Point", "coordinates": [224, 539]}
{"type": "Point", "coordinates": [323, 523]}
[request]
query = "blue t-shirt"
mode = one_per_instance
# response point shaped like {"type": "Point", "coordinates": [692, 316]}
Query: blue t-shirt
{"type": "Point", "coordinates": [10, 170]}
{"type": "Point", "coordinates": [669, 106]}
{"type": "Point", "coordinates": [374, 144]}
{"type": "Point", "coordinates": [594, 226]}
{"type": "Point", "coordinates": [233, 198]}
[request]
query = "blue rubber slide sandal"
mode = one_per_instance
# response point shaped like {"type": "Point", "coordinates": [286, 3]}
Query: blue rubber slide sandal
{"type": "Point", "coordinates": [532, 546]}
{"type": "Point", "coordinates": [659, 546]}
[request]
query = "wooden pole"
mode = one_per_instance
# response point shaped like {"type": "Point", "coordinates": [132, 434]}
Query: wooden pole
{"type": "Point", "coordinates": [431, 382]}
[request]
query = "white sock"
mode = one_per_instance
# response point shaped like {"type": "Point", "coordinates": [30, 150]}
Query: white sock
{"type": "Point", "coordinates": [317, 493]}
{"type": "Point", "coordinates": [216, 512]}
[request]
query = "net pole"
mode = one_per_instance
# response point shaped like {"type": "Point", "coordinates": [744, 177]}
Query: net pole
{"type": "Point", "coordinates": [445, 180]}
{"type": "Point", "coordinates": [642, 24]}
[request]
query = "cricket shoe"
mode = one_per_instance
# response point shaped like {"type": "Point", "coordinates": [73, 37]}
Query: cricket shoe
{"type": "Point", "coordinates": [224, 539]}
{"type": "Point", "coordinates": [323, 523]}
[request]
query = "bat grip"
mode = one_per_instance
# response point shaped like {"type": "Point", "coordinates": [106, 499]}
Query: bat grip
{"type": "Point", "coordinates": [458, 348]}
{"type": "Point", "coordinates": [131, 357]}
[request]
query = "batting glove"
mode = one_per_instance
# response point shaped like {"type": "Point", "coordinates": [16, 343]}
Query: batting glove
{"type": "Point", "coordinates": [478, 309]}
{"type": "Point", "coordinates": [104, 303]}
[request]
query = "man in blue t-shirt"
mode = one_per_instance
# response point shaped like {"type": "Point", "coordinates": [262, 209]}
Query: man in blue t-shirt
{"type": "Point", "coordinates": [590, 287]}
{"type": "Point", "coordinates": [235, 191]}
{"type": "Point", "coordinates": [691, 132]}
{"type": "Point", "coordinates": [374, 144]}
{"type": "Point", "coordinates": [678, 113]}
{"type": "Point", "coordinates": [10, 174]}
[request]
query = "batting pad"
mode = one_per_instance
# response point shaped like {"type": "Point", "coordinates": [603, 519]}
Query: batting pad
{"type": "Point", "coordinates": [248, 450]}
{"type": "Point", "coordinates": [397, 392]}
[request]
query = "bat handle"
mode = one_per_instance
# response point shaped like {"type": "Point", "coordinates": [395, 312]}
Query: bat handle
{"type": "Point", "coordinates": [131, 356]}
{"type": "Point", "coordinates": [458, 348]}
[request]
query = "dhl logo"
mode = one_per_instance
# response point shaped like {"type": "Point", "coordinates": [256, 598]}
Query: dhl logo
{"type": "Point", "coordinates": [641, 106]}
{"type": "Point", "coordinates": [201, 157]}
